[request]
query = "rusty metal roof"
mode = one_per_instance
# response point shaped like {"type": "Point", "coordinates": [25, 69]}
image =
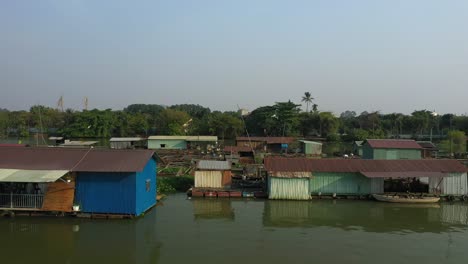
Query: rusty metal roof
{"type": "Point", "coordinates": [393, 143]}
{"type": "Point", "coordinates": [213, 165]}
{"type": "Point", "coordinates": [12, 145]}
{"type": "Point", "coordinates": [74, 159]}
{"type": "Point", "coordinates": [427, 145]}
{"type": "Point", "coordinates": [268, 140]}
{"type": "Point", "coordinates": [358, 165]}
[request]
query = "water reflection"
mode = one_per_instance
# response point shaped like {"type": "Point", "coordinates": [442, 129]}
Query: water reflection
{"type": "Point", "coordinates": [368, 216]}
{"type": "Point", "coordinates": [70, 240]}
{"type": "Point", "coordinates": [212, 209]}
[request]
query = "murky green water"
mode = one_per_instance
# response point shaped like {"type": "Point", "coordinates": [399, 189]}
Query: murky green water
{"type": "Point", "coordinates": [240, 231]}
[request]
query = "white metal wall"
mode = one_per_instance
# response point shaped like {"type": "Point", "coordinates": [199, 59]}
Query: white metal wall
{"type": "Point", "coordinates": [289, 188]}
{"type": "Point", "coordinates": [209, 179]}
{"type": "Point", "coordinates": [453, 184]}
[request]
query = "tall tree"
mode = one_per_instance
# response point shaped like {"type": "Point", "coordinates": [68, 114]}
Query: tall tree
{"type": "Point", "coordinates": [307, 98]}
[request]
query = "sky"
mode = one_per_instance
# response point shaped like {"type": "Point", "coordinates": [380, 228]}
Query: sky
{"type": "Point", "coordinates": [360, 55]}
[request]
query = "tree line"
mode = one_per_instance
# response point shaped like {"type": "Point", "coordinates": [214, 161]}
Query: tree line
{"type": "Point", "coordinates": [279, 119]}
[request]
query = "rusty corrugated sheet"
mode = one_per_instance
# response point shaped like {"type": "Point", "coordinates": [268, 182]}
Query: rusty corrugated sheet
{"type": "Point", "coordinates": [358, 165]}
{"type": "Point", "coordinates": [72, 159]}
{"type": "Point", "coordinates": [393, 143]}
{"type": "Point", "coordinates": [12, 145]}
{"type": "Point", "coordinates": [291, 174]}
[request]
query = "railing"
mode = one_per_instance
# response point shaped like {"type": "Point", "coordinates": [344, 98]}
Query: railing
{"type": "Point", "coordinates": [21, 201]}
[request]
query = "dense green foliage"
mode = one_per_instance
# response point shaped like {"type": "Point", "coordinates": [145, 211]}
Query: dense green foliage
{"type": "Point", "coordinates": [173, 184]}
{"type": "Point", "coordinates": [279, 119]}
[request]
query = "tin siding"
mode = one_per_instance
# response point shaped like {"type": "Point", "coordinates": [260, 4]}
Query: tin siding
{"type": "Point", "coordinates": [145, 199]}
{"type": "Point", "coordinates": [342, 183]}
{"type": "Point", "coordinates": [101, 192]}
{"type": "Point", "coordinates": [288, 188]}
{"type": "Point", "coordinates": [453, 184]}
{"type": "Point", "coordinates": [390, 154]}
{"type": "Point", "coordinates": [209, 179]}
{"type": "Point", "coordinates": [170, 144]}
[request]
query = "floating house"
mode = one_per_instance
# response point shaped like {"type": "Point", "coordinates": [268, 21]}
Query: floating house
{"type": "Point", "coordinates": [428, 149]}
{"type": "Point", "coordinates": [288, 176]}
{"type": "Point", "coordinates": [391, 149]}
{"type": "Point", "coordinates": [213, 174]}
{"type": "Point", "coordinates": [127, 142]}
{"type": "Point", "coordinates": [267, 144]}
{"type": "Point", "coordinates": [311, 148]}
{"type": "Point", "coordinates": [179, 142]}
{"type": "Point", "coordinates": [94, 181]}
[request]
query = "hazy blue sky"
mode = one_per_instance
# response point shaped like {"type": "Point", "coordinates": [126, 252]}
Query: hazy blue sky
{"type": "Point", "coordinates": [393, 56]}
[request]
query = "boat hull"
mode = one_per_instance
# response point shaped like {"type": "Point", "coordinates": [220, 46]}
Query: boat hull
{"type": "Point", "coordinates": [398, 199]}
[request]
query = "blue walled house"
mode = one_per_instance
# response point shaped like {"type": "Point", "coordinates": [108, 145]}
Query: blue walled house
{"type": "Point", "coordinates": [122, 188]}
{"type": "Point", "coordinates": [99, 181]}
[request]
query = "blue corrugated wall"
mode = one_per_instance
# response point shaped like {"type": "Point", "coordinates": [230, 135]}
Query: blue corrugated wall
{"type": "Point", "coordinates": [101, 192]}
{"type": "Point", "coordinates": [145, 198]}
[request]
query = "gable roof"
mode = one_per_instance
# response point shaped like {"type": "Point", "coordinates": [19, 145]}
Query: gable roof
{"type": "Point", "coordinates": [268, 140]}
{"type": "Point", "coordinates": [393, 143]}
{"type": "Point", "coordinates": [358, 165]}
{"type": "Point", "coordinates": [74, 159]}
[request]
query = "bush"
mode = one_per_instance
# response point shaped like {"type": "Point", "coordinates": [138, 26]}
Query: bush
{"type": "Point", "coordinates": [173, 184]}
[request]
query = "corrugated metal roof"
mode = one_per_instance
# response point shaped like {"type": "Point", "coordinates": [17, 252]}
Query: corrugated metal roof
{"type": "Point", "coordinates": [393, 143]}
{"type": "Point", "coordinates": [268, 140]}
{"type": "Point", "coordinates": [12, 175]}
{"type": "Point", "coordinates": [213, 165]}
{"type": "Point", "coordinates": [186, 138]}
{"type": "Point", "coordinates": [310, 142]}
{"type": "Point", "coordinates": [73, 159]}
{"type": "Point", "coordinates": [12, 145]}
{"type": "Point", "coordinates": [357, 165]}
{"type": "Point", "coordinates": [237, 149]}
{"type": "Point", "coordinates": [427, 145]}
{"type": "Point", "coordinates": [125, 139]}
{"type": "Point", "coordinates": [55, 138]}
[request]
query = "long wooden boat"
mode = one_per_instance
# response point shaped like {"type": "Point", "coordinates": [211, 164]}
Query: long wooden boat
{"type": "Point", "coordinates": [401, 199]}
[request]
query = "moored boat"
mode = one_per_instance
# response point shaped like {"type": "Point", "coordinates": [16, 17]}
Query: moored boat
{"type": "Point", "coordinates": [403, 199]}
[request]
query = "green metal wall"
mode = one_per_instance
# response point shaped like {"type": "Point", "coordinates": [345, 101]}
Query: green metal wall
{"type": "Point", "coordinates": [312, 149]}
{"type": "Point", "coordinates": [390, 154]}
{"type": "Point", "coordinates": [344, 183]}
{"type": "Point", "coordinates": [170, 144]}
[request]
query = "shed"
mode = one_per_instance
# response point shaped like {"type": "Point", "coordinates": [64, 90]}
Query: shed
{"type": "Point", "coordinates": [362, 177]}
{"type": "Point", "coordinates": [126, 142]}
{"type": "Point", "coordinates": [98, 180]}
{"type": "Point", "coordinates": [391, 149]}
{"type": "Point", "coordinates": [311, 148]}
{"type": "Point", "coordinates": [213, 174]}
{"type": "Point", "coordinates": [429, 150]}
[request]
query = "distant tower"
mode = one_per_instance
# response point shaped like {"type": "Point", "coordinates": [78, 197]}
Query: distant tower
{"type": "Point", "coordinates": [60, 103]}
{"type": "Point", "coordinates": [85, 103]}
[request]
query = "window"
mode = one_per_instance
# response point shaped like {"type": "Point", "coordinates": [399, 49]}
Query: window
{"type": "Point", "coordinates": [148, 185]}
{"type": "Point", "coordinates": [163, 145]}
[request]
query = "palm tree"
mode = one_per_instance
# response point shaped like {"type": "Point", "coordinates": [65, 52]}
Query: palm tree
{"type": "Point", "coordinates": [307, 98]}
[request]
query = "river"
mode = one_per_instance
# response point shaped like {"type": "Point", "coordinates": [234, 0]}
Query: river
{"type": "Point", "coordinates": [247, 231]}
